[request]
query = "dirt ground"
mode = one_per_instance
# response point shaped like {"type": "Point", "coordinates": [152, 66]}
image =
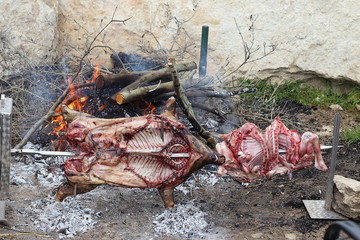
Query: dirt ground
{"type": "Point", "coordinates": [206, 207]}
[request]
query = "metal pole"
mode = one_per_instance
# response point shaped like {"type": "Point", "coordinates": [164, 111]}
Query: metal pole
{"type": "Point", "coordinates": [330, 183]}
{"type": "Point", "coordinates": [203, 50]}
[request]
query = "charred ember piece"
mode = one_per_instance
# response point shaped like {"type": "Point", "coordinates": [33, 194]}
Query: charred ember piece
{"type": "Point", "coordinates": [153, 151]}
{"type": "Point", "coordinates": [251, 154]}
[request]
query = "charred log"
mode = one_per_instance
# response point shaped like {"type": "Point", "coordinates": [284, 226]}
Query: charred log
{"type": "Point", "coordinates": [134, 62]}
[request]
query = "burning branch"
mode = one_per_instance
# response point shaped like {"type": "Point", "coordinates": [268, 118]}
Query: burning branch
{"type": "Point", "coordinates": [67, 90]}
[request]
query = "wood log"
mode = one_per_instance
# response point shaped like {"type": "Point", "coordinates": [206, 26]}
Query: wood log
{"type": "Point", "coordinates": [120, 79]}
{"type": "Point", "coordinates": [142, 92]}
{"type": "Point", "coordinates": [124, 79]}
{"type": "Point", "coordinates": [153, 75]}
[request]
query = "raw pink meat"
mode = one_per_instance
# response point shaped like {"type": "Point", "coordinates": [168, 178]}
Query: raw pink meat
{"type": "Point", "coordinates": [251, 154]}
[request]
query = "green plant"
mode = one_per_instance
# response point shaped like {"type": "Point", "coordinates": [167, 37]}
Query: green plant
{"type": "Point", "coordinates": [300, 92]}
{"type": "Point", "coordinates": [351, 135]}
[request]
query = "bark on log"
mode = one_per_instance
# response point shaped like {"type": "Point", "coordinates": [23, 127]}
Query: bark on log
{"type": "Point", "coordinates": [120, 79]}
{"type": "Point", "coordinates": [142, 92]}
{"type": "Point", "coordinates": [154, 75]}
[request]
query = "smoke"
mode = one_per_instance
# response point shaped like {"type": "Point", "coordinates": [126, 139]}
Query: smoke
{"type": "Point", "coordinates": [134, 62]}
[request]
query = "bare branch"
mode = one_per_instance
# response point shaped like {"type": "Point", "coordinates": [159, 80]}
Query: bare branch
{"type": "Point", "coordinates": [67, 90]}
{"type": "Point", "coordinates": [249, 49]}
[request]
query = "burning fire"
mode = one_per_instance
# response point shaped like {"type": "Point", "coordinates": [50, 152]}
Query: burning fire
{"type": "Point", "coordinates": [150, 109]}
{"type": "Point", "coordinates": [96, 73]}
{"type": "Point", "coordinates": [60, 121]}
{"type": "Point", "coordinates": [77, 104]}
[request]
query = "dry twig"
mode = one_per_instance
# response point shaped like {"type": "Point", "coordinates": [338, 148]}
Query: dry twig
{"type": "Point", "coordinates": [67, 90]}
{"type": "Point", "coordinates": [249, 48]}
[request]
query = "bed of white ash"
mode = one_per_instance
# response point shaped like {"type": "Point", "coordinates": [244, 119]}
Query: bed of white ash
{"type": "Point", "coordinates": [183, 219]}
{"type": "Point", "coordinates": [75, 216]}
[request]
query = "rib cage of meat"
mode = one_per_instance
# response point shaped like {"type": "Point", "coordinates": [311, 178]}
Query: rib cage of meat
{"type": "Point", "coordinates": [251, 154]}
{"type": "Point", "coordinates": [132, 152]}
{"type": "Point", "coordinates": [140, 152]}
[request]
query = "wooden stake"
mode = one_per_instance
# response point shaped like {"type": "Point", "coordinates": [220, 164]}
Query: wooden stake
{"type": "Point", "coordinates": [186, 107]}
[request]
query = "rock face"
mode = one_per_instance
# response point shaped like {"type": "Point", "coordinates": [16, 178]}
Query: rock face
{"type": "Point", "coordinates": [29, 33]}
{"type": "Point", "coordinates": [320, 38]}
{"type": "Point", "coordinates": [347, 197]}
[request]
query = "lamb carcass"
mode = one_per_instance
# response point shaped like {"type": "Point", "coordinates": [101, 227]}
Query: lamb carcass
{"type": "Point", "coordinates": [251, 154]}
{"type": "Point", "coordinates": [153, 151]}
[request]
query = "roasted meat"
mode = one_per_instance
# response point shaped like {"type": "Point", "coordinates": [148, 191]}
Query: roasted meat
{"type": "Point", "coordinates": [153, 151]}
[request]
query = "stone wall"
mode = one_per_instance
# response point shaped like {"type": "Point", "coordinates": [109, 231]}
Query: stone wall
{"type": "Point", "coordinates": [317, 36]}
{"type": "Point", "coordinates": [28, 33]}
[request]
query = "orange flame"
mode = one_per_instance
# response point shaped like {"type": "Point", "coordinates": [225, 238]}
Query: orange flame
{"type": "Point", "coordinates": [58, 121]}
{"type": "Point", "coordinates": [78, 104]}
{"type": "Point", "coordinates": [59, 125]}
{"type": "Point", "coordinates": [96, 73]}
{"type": "Point", "coordinates": [150, 108]}
{"type": "Point", "coordinates": [102, 107]}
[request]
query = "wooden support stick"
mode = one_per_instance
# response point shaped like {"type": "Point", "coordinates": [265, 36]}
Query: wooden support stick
{"type": "Point", "coordinates": [330, 184]}
{"type": "Point", "coordinates": [186, 107]}
{"type": "Point", "coordinates": [5, 145]}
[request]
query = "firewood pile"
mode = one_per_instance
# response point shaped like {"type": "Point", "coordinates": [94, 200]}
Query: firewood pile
{"type": "Point", "coordinates": [151, 85]}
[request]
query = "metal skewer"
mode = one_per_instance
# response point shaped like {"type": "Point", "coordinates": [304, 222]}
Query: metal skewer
{"type": "Point", "coordinates": [45, 153]}
{"type": "Point", "coordinates": [70, 154]}
{"type": "Point", "coordinates": [322, 147]}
